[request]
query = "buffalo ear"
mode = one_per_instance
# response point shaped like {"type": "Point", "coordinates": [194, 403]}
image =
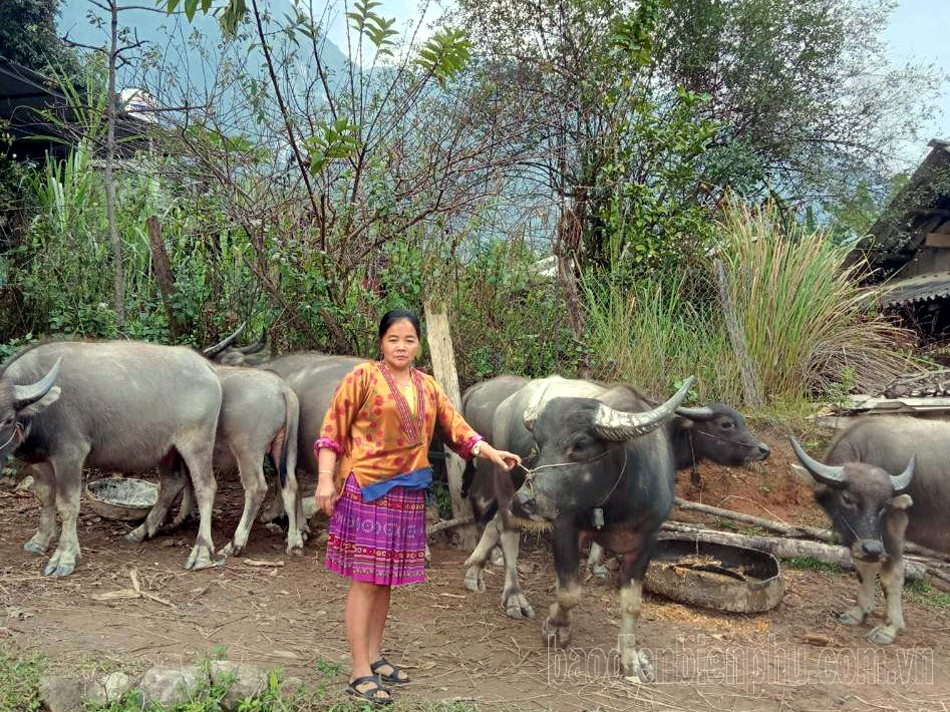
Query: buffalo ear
{"type": "Point", "coordinates": [902, 501]}
{"type": "Point", "coordinates": [52, 395]}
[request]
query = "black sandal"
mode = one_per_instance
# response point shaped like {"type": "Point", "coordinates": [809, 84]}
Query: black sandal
{"type": "Point", "coordinates": [370, 694]}
{"type": "Point", "coordinates": [393, 677]}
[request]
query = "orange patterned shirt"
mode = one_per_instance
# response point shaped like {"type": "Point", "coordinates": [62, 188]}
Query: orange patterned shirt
{"type": "Point", "coordinates": [375, 432]}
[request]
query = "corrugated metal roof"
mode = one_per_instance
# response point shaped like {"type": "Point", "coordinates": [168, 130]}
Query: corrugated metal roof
{"type": "Point", "coordinates": [925, 288]}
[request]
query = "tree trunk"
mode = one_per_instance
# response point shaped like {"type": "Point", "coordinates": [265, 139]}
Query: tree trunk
{"type": "Point", "coordinates": [443, 366]}
{"type": "Point", "coordinates": [567, 247]}
{"type": "Point", "coordinates": [117, 256]}
{"type": "Point", "coordinates": [163, 274]}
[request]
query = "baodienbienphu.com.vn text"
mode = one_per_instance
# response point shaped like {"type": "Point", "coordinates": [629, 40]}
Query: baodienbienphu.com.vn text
{"type": "Point", "coordinates": [708, 661]}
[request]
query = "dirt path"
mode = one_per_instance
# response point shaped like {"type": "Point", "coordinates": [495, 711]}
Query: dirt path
{"type": "Point", "coordinates": [461, 645]}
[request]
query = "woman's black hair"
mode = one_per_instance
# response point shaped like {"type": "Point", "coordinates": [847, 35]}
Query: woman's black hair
{"type": "Point", "coordinates": [390, 317]}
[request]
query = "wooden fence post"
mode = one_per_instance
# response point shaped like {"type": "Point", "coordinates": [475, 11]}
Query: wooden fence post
{"type": "Point", "coordinates": [737, 338]}
{"type": "Point", "coordinates": [439, 338]}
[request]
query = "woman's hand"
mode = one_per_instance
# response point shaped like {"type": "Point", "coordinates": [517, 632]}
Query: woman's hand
{"type": "Point", "coordinates": [326, 495]}
{"type": "Point", "coordinates": [504, 459]}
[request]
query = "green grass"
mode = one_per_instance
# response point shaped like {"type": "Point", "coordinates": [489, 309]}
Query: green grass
{"type": "Point", "coordinates": [920, 591]}
{"type": "Point", "coordinates": [20, 673]}
{"type": "Point", "coordinates": [807, 327]}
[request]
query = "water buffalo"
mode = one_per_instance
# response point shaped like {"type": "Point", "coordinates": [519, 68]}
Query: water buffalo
{"type": "Point", "coordinates": [714, 432]}
{"type": "Point", "coordinates": [259, 416]}
{"type": "Point", "coordinates": [884, 481]}
{"type": "Point", "coordinates": [124, 406]}
{"type": "Point", "coordinates": [601, 465]}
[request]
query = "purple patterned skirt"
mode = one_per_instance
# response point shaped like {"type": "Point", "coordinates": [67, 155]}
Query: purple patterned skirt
{"type": "Point", "coordinates": [381, 542]}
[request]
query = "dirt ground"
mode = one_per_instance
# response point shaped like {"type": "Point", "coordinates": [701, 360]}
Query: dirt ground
{"type": "Point", "coordinates": [460, 645]}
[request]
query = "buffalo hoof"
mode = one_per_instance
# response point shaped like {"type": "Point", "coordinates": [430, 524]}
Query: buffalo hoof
{"type": "Point", "coordinates": [855, 616]}
{"type": "Point", "coordinates": [638, 669]}
{"type": "Point", "coordinates": [882, 635]}
{"type": "Point", "coordinates": [229, 549]}
{"type": "Point", "coordinates": [62, 564]}
{"type": "Point", "coordinates": [516, 605]}
{"type": "Point", "coordinates": [295, 548]}
{"type": "Point", "coordinates": [200, 558]}
{"type": "Point", "coordinates": [137, 535]}
{"type": "Point", "coordinates": [560, 633]}
{"type": "Point", "coordinates": [35, 547]}
{"type": "Point", "coordinates": [475, 580]}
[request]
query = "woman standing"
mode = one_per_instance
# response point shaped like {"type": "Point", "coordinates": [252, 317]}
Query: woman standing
{"type": "Point", "coordinates": [373, 473]}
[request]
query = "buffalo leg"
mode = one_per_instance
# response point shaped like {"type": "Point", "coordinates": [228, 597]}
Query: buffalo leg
{"type": "Point", "coordinates": [251, 468]}
{"type": "Point", "coordinates": [867, 580]}
{"type": "Point", "coordinates": [892, 581]}
{"type": "Point", "coordinates": [636, 665]}
{"type": "Point", "coordinates": [171, 481]}
{"type": "Point", "coordinates": [186, 508]}
{"type": "Point", "coordinates": [198, 461]}
{"type": "Point", "coordinates": [595, 561]}
{"type": "Point", "coordinates": [44, 488]}
{"type": "Point", "coordinates": [290, 494]}
{"type": "Point", "coordinates": [513, 599]}
{"type": "Point", "coordinates": [566, 561]}
{"type": "Point", "coordinates": [68, 476]}
{"type": "Point", "coordinates": [474, 581]}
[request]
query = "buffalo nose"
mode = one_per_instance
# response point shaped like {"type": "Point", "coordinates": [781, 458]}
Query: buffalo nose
{"type": "Point", "coordinates": [765, 450]}
{"type": "Point", "coordinates": [872, 549]}
{"type": "Point", "coordinates": [523, 499]}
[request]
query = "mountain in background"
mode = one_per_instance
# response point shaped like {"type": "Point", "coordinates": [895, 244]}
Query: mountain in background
{"type": "Point", "coordinates": [85, 24]}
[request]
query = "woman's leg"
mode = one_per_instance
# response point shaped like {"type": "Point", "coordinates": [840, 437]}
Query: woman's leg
{"type": "Point", "coordinates": [360, 616]}
{"type": "Point", "coordinates": [377, 624]}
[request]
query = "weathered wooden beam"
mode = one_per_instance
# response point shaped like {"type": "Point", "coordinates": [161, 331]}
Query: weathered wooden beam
{"type": "Point", "coordinates": [439, 338]}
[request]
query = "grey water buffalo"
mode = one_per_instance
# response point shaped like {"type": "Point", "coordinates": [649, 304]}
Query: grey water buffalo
{"type": "Point", "coordinates": [123, 406]}
{"type": "Point", "coordinates": [883, 482]}
{"type": "Point", "coordinates": [259, 416]}
{"type": "Point", "coordinates": [601, 465]}
{"type": "Point", "coordinates": [313, 377]}
{"type": "Point", "coordinates": [713, 432]}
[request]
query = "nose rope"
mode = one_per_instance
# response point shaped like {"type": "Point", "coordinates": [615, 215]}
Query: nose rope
{"type": "Point", "coordinates": [16, 430]}
{"type": "Point", "coordinates": [532, 470]}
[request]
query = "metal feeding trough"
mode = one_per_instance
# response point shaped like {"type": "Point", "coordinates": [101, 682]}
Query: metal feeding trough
{"type": "Point", "coordinates": [719, 576]}
{"type": "Point", "coordinates": [124, 498]}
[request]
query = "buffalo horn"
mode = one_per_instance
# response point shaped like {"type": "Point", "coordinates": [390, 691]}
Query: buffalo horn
{"type": "Point", "coordinates": [25, 395]}
{"type": "Point", "coordinates": [826, 474]}
{"type": "Point", "coordinates": [619, 425]}
{"type": "Point", "coordinates": [704, 413]}
{"type": "Point", "coordinates": [254, 348]}
{"type": "Point", "coordinates": [213, 351]}
{"type": "Point", "coordinates": [902, 481]}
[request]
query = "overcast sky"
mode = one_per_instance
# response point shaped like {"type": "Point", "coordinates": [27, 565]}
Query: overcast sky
{"type": "Point", "coordinates": [919, 32]}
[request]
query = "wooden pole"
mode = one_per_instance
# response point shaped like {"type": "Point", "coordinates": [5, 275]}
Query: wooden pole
{"type": "Point", "coordinates": [439, 338]}
{"type": "Point", "coordinates": [790, 530]}
{"type": "Point", "coordinates": [737, 338]}
{"type": "Point", "coordinates": [783, 548]}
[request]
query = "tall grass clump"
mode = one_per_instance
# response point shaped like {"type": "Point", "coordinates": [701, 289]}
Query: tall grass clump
{"type": "Point", "coordinates": [809, 328]}
{"type": "Point", "coordinates": [655, 331]}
